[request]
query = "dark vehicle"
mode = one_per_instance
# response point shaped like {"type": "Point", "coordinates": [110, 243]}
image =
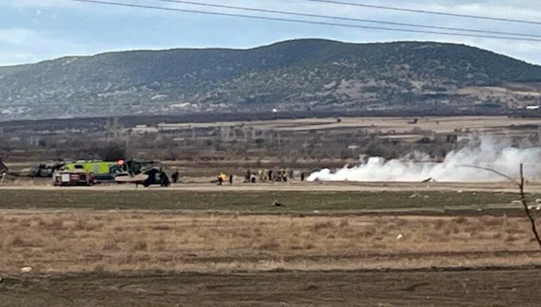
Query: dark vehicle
{"type": "Point", "coordinates": [153, 176]}
{"type": "Point", "coordinates": [156, 177]}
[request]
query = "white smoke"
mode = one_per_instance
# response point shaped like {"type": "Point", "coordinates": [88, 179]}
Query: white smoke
{"type": "Point", "coordinates": [482, 151]}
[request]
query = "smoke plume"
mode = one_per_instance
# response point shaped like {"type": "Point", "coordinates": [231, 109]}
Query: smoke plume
{"type": "Point", "coordinates": [483, 151]}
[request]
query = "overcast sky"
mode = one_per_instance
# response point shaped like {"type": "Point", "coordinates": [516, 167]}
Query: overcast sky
{"type": "Point", "coordinates": [36, 30]}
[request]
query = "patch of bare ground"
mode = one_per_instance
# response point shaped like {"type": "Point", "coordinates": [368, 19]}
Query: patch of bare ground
{"type": "Point", "coordinates": [117, 241]}
{"type": "Point", "coordinates": [472, 288]}
{"type": "Point", "coordinates": [495, 288]}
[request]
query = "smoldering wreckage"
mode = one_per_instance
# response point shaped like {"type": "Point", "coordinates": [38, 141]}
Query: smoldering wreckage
{"type": "Point", "coordinates": [88, 173]}
{"type": "Point", "coordinates": [461, 165]}
{"type": "Point", "coordinates": [145, 173]}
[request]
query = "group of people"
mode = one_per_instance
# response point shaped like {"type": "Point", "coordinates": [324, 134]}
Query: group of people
{"type": "Point", "coordinates": [282, 175]}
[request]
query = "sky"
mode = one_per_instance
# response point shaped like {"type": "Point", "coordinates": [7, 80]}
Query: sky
{"type": "Point", "coordinates": [37, 30]}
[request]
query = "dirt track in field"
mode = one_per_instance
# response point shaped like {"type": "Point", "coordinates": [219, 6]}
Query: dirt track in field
{"type": "Point", "coordinates": [407, 288]}
{"type": "Point", "coordinates": [533, 187]}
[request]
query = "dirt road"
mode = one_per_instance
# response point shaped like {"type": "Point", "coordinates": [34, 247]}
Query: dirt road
{"type": "Point", "coordinates": [413, 288]}
{"type": "Point", "coordinates": [533, 187]}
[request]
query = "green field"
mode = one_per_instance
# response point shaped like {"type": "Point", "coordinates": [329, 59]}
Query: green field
{"type": "Point", "coordinates": [246, 201]}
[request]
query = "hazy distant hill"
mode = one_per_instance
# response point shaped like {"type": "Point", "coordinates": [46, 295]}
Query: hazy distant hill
{"type": "Point", "coordinates": [291, 75]}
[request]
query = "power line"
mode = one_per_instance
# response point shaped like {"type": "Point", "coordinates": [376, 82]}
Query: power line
{"type": "Point", "coordinates": [383, 7]}
{"type": "Point", "coordinates": [305, 21]}
{"type": "Point", "coordinates": [346, 18]}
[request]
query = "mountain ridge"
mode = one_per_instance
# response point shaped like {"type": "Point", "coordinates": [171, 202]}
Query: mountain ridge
{"type": "Point", "coordinates": [262, 47]}
{"type": "Point", "coordinates": [304, 74]}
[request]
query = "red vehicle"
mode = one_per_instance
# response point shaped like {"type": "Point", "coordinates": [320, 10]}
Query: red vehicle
{"type": "Point", "coordinates": [73, 178]}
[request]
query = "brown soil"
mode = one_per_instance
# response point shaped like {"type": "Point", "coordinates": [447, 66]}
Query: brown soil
{"type": "Point", "coordinates": [409, 288]}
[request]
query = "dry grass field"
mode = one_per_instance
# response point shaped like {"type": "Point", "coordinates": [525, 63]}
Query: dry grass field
{"type": "Point", "coordinates": [118, 241]}
{"type": "Point", "coordinates": [398, 124]}
{"type": "Point", "coordinates": [141, 258]}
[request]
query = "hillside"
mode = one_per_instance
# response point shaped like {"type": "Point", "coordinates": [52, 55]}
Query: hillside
{"type": "Point", "coordinates": [292, 75]}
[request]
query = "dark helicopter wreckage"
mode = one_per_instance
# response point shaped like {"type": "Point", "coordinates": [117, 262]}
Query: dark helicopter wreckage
{"type": "Point", "coordinates": [43, 170]}
{"type": "Point", "coordinates": [144, 173]}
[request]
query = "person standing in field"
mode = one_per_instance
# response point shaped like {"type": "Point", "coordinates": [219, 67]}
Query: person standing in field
{"type": "Point", "coordinates": [175, 176]}
{"type": "Point", "coordinates": [164, 180]}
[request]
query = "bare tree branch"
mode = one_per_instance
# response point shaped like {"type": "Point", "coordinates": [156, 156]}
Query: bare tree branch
{"type": "Point", "coordinates": [495, 172]}
{"type": "Point", "coordinates": [522, 195]}
{"type": "Point", "coordinates": [526, 208]}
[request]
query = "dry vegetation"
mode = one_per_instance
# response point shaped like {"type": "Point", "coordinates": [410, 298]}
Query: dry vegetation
{"type": "Point", "coordinates": [115, 241]}
{"type": "Point", "coordinates": [300, 143]}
